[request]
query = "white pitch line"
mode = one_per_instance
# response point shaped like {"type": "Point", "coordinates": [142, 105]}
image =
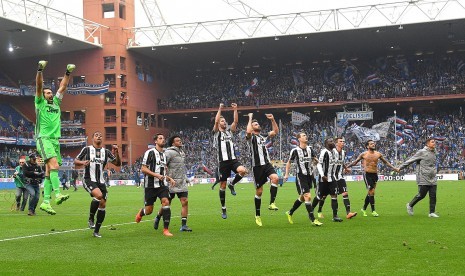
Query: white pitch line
{"type": "Point", "coordinates": [66, 231]}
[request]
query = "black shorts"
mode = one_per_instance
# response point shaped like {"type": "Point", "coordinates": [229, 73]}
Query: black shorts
{"type": "Point", "coordinates": [303, 183]}
{"type": "Point", "coordinates": [314, 182]}
{"type": "Point", "coordinates": [217, 174]}
{"type": "Point", "coordinates": [326, 188]}
{"type": "Point", "coordinates": [90, 186]}
{"type": "Point", "coordinates": [341, 186]}
{"type": "Point", "coordinates": [226, 167]}
{"type": "Point", "coordinates": [261, 174]}
{"type": "Point", "coordinates": [370, 180]}
{"type": "Point", "coordinates": [179, 194]}
{"type": "Point", "coordinates": [151, 194]}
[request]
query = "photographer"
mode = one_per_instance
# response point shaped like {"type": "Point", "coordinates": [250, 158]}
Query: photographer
{"type": "Point", "coordinates": [34, 175]}
{"type": "Point", "coordinates": [20, 189]}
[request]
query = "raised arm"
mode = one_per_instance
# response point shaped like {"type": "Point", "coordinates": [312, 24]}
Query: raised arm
{"type": "Point", "coordinates": [249, 129]}
{"type": "Point", "coordinates": [40, 78]}
{"type": "Point", "coordinates": [274, 126]}
{"type": "Point", "coordinates": [359, 158]}
{"type": "Point", "coordinates": [65, 81]}
{"type": "Point", "coordinates": [217, 118]}
{"type": "Point", "coordinates": [381, 157]}
{"type": "Point", "coordinates": [117, 160]}
{"type": "Point", "coordinates": [236, 117]}
{"type": "Point", "coordinates": [416, 157]}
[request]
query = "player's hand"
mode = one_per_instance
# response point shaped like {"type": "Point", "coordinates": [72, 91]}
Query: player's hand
{"type": "Point", "coordinates": [324, 178]}
{"type": "Point", "coordinates": [221, 105]}
{"type": "Point", "coordinates": [397, 170]}
{"type": "Point", "coordinates": [347, 170]}
{"type": "Point", "coordinates": [114, 148]}
{"type": "Point", "coordinates": [171, 181]}
{"type": "Point", "coordinates": [285, 178]}
{"type": "Point", "coordinates": [234, 105]}
{"type": "Point", "coordinates": [86, 163]}
{"type": "Point", "coordinates": [250, 115]}
{"type": "Point", "coordinates": [269, 116]}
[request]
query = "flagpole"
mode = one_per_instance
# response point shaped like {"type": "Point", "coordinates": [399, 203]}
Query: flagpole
{"type": "Point", "coordinates": [280, 144]}
{"type": "Point", "coordinates": [335, 127]}
{"type": "Point", "coordinates": [395, 136]}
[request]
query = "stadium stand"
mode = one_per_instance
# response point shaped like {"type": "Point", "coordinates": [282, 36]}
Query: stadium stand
{"type": "Point", "coordinates": [447, 128]}
{"type": "Point", "coordinates": [11, 121]}
{"type": "Point", "coordinates": [334, 81]}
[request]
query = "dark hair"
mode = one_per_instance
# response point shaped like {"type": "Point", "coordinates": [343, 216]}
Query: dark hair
{"type": "Point", "coordinates": [300, 133]}
{"type": "Point", "coordinates": [339, 138]}
{"type": "Point", "coordinates": [327, 140]}
{"type": "Point", "coordinates": [47, 87]}
{"type": "Point", "coordinates": [155, 137]}
{"type": "Point", "coordinates": [367, 142]}
{"type": "Point", "coordinates": [429, 139]}
{"type": "Point", "coordinates": [254, 121]}
{"type": "Point", "coordinates": [171, 139]}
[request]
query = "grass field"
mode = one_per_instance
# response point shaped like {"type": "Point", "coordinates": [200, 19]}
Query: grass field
{"type": "Point", "coordinates": [393, 243]}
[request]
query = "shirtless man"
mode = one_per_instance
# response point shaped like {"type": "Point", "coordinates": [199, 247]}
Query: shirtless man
{"type": "Point", "coordinates": [370, 175]}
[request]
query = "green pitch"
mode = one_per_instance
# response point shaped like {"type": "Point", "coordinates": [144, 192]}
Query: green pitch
{"type": "Point", "coordinates": [393, 243]}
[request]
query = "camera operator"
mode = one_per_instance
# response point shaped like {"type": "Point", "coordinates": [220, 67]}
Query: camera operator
{"type": "Point", "coordinates": [34, 175]}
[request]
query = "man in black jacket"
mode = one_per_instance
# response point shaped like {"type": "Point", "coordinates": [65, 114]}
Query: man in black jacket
{"type": "Point", "coordinates": [74, 177]}
{"type": "Point", "coordinates": [34, 176]}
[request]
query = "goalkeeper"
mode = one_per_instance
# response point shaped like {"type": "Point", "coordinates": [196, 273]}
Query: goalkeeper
{"type": "Point", "coordinates": [48, 131]}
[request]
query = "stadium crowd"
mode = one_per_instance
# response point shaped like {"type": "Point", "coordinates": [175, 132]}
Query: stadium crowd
{"type": "Point", "coordinates": [201, 155]}
{"type": "Point", "coordinates": [324, 82]}
{"type": "Point", "coordinates": [449, 132]}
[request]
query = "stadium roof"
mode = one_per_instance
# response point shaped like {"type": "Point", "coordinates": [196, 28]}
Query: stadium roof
{"type": "Point", "coordinates": [28, 41]}
{"type": "Point", "coordinates": [420, 39]}
{"type": "Point", "coordinates": [29, 29]}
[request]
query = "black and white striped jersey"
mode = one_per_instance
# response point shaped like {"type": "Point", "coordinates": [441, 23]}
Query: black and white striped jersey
{"type": "Point", "coordinates": [258, 151]}
{"type": "Point", "coordinates": [223, 142]}
{"type": "Point", "coordinates": [326, 165]}
{"type": "Point", "coordinates": [155, 162]}
{"type": "Point", "coordinates": [339, 161]}
{"type": "Point", "coordinates": [303, 159]}
{"type": "Point", "coordinates": [98, 159]}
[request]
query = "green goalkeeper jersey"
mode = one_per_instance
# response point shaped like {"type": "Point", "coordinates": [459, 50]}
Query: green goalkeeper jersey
{"type": "Point", "coordinates": [48, 117]}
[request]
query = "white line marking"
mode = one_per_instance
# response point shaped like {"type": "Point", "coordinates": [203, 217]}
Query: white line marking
{"type": "Point", "coordinates": [69, 231]}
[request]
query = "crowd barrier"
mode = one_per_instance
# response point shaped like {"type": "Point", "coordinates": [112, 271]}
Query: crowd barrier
{"type": "Point", "coordinates": [8, 183]}
{"type": "Point", "coordinates": [400, 177]}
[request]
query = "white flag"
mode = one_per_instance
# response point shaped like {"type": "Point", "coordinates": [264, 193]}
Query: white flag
{"type": "Point", "coordinates": [382, 128]}
{"type": "Point", "coordinates": [299, 118]}
{"type": "Point", "coordinates": [364, 134]}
